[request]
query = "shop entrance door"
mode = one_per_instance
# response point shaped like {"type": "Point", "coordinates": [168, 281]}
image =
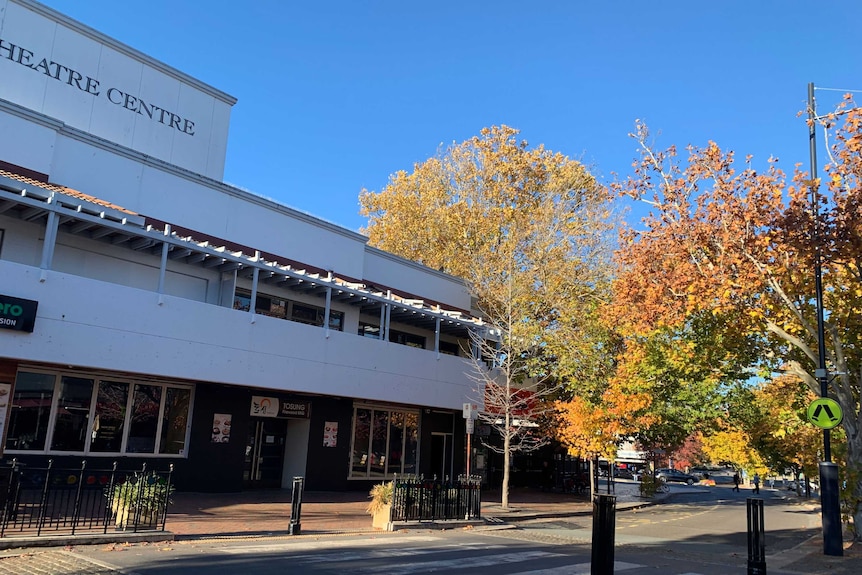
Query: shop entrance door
{"type": "Point", "coordinates": [264, 453]}
{"type": "Point", "coordinates": [441, 455]}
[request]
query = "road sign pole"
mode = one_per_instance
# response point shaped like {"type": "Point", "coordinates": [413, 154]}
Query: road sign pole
{"type": "Point", "coordinates": [831, 512]}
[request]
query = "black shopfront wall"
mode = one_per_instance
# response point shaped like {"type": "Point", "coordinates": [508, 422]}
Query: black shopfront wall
{"type": "Point", "coordinates": [216, 467]}
{"type": "Point", "coordinates": [327, 467]}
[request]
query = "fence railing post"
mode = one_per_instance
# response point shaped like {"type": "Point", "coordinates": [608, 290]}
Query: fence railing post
{"type": "Point", "coordinates": [109, 495]}
{"type": "Point", "coordinates": [167, 500]}
{"type": "Point", "coordinates": [76, 509]}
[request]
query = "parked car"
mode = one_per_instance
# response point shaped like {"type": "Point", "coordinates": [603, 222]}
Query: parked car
{"type": "Point", "coordinates": [675, 476]}
{"type": "Point", "coordinates": [624, 473]}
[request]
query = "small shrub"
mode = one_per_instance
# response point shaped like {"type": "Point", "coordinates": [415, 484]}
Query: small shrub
{"type": "Point", "coordinates": [648, 485]}
{"type": "Point", "coordinates": [381, 496]}
{"type": "Point", "coordinates": [143, 491]}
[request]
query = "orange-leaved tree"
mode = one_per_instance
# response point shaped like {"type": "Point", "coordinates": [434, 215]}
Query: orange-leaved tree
{"type": "Point", "coordinates": [722, 238]}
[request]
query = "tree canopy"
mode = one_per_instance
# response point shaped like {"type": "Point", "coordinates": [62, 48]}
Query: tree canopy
{"type": "Point", "coordinates": [738, 243]}
{"type": "Point", "coordinates": [529, 230]}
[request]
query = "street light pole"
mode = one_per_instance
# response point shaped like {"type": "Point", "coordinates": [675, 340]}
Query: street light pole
{"type": "Point", "coordinates": [830, 509]}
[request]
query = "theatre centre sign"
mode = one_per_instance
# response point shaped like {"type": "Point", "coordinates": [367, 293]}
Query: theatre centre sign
{"type": "Point", "coordinates": [89, 85]}
{"type": "Point", "coordinates": [60, 68]}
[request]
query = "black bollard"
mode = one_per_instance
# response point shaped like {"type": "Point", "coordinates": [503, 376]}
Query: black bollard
{"type": "Point", "coordinates": [756, 537]}
{"type": "Point", "coordinates": [295, 526]}
{"type": "Point", "coordinates": [604, 524]}
{"type": "Point", "coordinates": [830, 505]}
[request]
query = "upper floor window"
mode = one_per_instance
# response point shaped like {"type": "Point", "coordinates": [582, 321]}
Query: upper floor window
{"type": "Point", "coordinates": [287, 309]}
{"type": "Point", "coordinates": [405, 338]}
{"type": "Point", "coordinates": [449, 348]}
{"type": "Point", "coordinates": [395, 336]}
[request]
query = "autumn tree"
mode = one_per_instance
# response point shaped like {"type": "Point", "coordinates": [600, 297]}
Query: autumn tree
{"type": "Point", "coordinates": [780, 432]}
{"type": "Point", "coordinates": [724, 240]}
{"type": "Point", "coordinates": [527, 228]}
{"type": "Point", "coordinates": [732, 446]}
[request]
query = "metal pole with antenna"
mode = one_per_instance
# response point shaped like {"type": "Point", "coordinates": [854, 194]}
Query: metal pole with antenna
{"type": "Point", "coordinates": [830, 509]}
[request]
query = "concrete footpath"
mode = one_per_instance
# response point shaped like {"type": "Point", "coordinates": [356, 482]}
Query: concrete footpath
{"type": "Point", "coordinates": [257, 514]}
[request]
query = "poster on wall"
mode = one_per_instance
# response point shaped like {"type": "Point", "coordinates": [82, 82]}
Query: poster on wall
{"type": "Point", "coordinates": [330, 434]}
{"type": "Point", "coordinates": [221, 427]}
{"type": "Point", "coordinates": [5, 389]}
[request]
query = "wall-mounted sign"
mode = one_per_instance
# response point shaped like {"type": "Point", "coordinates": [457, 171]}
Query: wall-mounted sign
{"type": "Point", "coordinates": [17, 314]}
{"type": "Point", "coordinates": [221, 427]}
{"type": "Point", "coordinates": [265, 406]}
{"type": "Point", "coordinates": [52, 66]}
{"type": "Point", "coordinates": [330, 434]}
{"type": "Point", "coordinates": [84, 83]}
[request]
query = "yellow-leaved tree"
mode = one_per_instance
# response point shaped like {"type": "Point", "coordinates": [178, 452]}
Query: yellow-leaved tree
{"type": "Point", "coordinates": [527, 229]}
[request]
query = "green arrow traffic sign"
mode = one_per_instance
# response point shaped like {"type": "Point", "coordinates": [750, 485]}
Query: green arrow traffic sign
{"type": "Point", "coordinates": [825, 413]}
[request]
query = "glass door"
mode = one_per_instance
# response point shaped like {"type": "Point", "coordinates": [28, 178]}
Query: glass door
{"type": "Point", "coordinates": [264, 453]}
{"type": "Point", "coordinates": [441, 455]}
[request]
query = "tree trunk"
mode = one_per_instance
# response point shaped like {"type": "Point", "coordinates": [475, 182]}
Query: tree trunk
{"type": "Point", "coordinates": [504, 488]}
{"type": "Point", "coordinates": [593, 487]}
{"type": "Point", "coordinates": [853, 473]}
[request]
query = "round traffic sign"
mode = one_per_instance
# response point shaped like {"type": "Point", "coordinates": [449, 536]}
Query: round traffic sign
{"type": "Point", "coordinates": [825, 413]}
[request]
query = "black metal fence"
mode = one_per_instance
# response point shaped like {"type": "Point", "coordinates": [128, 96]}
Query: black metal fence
{"type": "Point", "coordinates": [418, 499]}
{"type": "Point", "coordinates": [36, 501]}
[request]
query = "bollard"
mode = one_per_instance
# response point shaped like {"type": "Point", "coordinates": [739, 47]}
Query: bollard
{"type": "Point", "coordinates": [756, 537]}
{"type": "Point", "coordinates": [830, 505]}
{"type": "Point", "coordinates": [604, 524]}
{"type": "Point", "coordinates": [295, 526]}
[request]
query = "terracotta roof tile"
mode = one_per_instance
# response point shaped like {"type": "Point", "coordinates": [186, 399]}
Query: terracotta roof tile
{"type": "Point", "coordinates": [65, 191]}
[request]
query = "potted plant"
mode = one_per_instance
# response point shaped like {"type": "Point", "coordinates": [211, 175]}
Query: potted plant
{"type": "Point", "coordinates": [140, 500]}
{"type": "Point", "coordinates": [380, 505]}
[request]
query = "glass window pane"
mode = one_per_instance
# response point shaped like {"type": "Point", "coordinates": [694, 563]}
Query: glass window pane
{"type": "Point", "coordinates": [108, 427]}
{"type": "Point", "coordinates": [307, 314]}
{"type": "Point", "coordinates": [31, 406]}
{"type": "Point", "coordinates": [380, 433]}
{"type": "Point", "coordinates": [273, 307]}
{"type": "Point", "coordinates": [369, 330]}
{"type": "Point", "coordinates": [361, 436]}
{"type": "Point", "coordinates": [242, 301]}
{"type": "Point", "coordinates": [73, 414]}
{"type": "Point", "coordinates": [175, 419]}
{"type": "Point", "coordinates": [396, 443]}
{"type": "Point", "coordinates": [411, 442]}
{"type": "Point", "coordinates": [336, 320]}
{"type": "Point", "coordinates": [145, 419]}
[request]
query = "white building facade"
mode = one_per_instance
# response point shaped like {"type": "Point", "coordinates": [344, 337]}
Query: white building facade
{"type": "Point", "coordinates": [150, 312]}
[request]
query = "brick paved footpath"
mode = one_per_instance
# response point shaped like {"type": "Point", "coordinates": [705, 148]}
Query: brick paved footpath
{"type": "Point", "coordinates": [53, 562]}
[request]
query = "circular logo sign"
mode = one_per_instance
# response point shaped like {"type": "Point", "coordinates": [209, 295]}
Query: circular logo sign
{"type": "Point", "coordinates": [825, 413]}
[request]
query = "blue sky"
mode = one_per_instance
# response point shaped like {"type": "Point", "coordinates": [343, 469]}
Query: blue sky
{"type": "Point", "coordinates": [333, 97]}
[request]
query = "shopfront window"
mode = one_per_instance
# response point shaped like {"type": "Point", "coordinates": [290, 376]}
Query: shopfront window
{"type": "Point", "coordinates": [63, 412]}
{"type": "Point", "coordinates": [384, 442]}
{"type": "Point", "coordinates": [144, 422]}
{"type": "Point", "coordinates": [175, 420]}
{"type": "Point", "coordinates": [31, 410]}
{"type": "Point", "coordinates": [73, 414]}
{"type": "Point", "coordinates": [110, 422]}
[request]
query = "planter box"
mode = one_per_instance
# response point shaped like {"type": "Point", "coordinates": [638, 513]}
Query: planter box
{"type": "Point", "coordinates": [380, 520]}
{"type": "Point", "coordinates": [125, 517]}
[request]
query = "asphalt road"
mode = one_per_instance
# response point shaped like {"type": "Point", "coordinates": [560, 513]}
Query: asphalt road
{"type": "Point", "coordinates": [698, 532]}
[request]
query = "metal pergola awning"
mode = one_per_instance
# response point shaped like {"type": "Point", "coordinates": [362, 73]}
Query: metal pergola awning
{"type": "Point", "coordinates": [67, 211]}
